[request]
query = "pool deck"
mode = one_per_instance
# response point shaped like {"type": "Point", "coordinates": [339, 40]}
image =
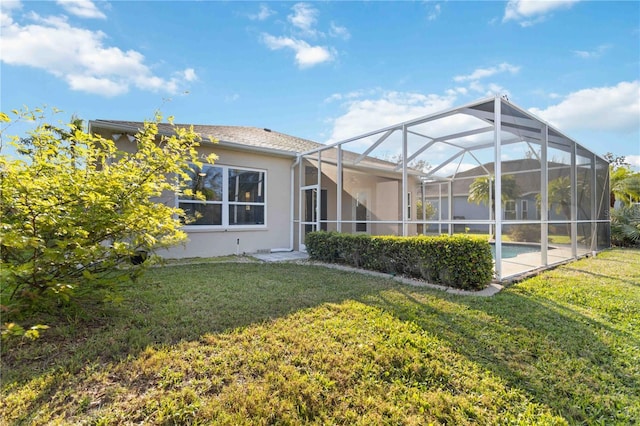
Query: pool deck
{"type": "Point", "coordinates": [527, 263]}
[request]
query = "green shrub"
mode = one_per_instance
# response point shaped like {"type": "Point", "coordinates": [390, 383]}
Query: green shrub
{"type": "Point", "coordinates": [455, 261]}
{"type": "Point", "coordinates": [625, 226]}
{"type": "Point", "coordinates": [75, 223]}
{"type": "Point", "coordinates": [525, 233]}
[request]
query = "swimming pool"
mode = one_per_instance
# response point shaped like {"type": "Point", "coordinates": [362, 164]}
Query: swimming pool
{"type": "Point", "coordinates": [510, 250]}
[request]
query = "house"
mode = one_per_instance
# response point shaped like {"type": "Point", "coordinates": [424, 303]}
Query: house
{"type": "Point", "coordinates": [268, 189]}
{"type": "Point", "coordinates": [260, 184]}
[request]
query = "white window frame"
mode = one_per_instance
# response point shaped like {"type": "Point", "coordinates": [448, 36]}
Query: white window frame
{"type": "Point", "coordinates": [226, 204]}
{"type": "Point", "coordinates": [524, 208]}
{"type": "Point", "coordinates": [511, 211]}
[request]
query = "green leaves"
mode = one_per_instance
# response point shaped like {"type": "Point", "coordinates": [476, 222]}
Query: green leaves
{"type": "Point", "coordinates": [13, 330]}
{"type": "Point", "coordinates": [455, 261]}
{"type": "Point", "coordinates": [75, 209]}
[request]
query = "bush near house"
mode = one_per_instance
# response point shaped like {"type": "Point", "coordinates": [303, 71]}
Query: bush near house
{"type": "Point", "coordinates": [76, 212]}
{"type": "Point", "coordinates": [456, 261]}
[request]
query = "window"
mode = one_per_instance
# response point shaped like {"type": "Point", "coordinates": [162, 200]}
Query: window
{"type": "Point", "coordinates": [233, 196]}
{"type": "Point", "coordinates": [408, 206]}
{"type": "Point", "coordinates": [510, 210]}
{"type": "Point", "coordinates": [246, 197]}
{"type": "Point", "coordinates": [525, 209]}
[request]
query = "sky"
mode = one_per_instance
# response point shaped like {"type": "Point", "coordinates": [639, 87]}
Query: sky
{"type": "Point", "coordinates": [327, 71]}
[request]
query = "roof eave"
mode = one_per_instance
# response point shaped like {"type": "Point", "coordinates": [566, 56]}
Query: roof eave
{"type": "Point", "coordinates": [205, 140]}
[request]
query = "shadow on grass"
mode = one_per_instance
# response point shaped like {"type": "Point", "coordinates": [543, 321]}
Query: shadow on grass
{"type": "Point", "coordinates": [635, 282]}
{"type": "Point", "coordinates": [182, 303]}
{"type": "Point", "coordinates": [559, 357]}
{"type": "Point", "coordinates": [556, 355]}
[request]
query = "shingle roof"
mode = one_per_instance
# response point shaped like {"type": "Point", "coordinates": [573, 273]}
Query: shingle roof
{"type": "Point", "coordinates": [250, 136]}
{"type": "Point", "coordinates": [253, 137]}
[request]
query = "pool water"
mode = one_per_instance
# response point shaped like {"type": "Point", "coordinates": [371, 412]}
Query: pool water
{"type": "Point", "coordinates": [513, 250]}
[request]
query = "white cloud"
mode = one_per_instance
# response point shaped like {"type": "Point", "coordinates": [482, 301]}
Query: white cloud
{"type": "Point", "coordinates": [487, 72]}
{"type": "Point", "coordinates": [351, 95]}
{"type": "Point", "coordinates": [613, 108]}
{"type": "Point", "coordinates": [302, 24]}
{"type": "Point", "coordinates": [530, 12]}
{"type": "Point", "coordinates": [189, 74]}
{"type": "Point", "coordinates": [592, 54]}
{"type": "Point", "coordinates": [339, 31]}
{"type": "Point", "coordinates": [364, 115]}
{"type": "Point", "coordinates": [634, 160]}
{"type": "Point", "coordinates": [79, 57]}
{"type": "Point", "coordinates": [433, 15]}
{"type": "Point", "coordinates": [304, 17]}
{"type": "Point", "coordinates": [9, 5]}
{"type": "Point", "coordinates": [82, 8]}
{"type": "Point", "coordinates": [90, 84]}
{"type": "Point", "coordinates": [263, 14]}
{"type": "Point", "coordinates": [455, 167]}
{"type": "Point", "coordinates": [306, 55]}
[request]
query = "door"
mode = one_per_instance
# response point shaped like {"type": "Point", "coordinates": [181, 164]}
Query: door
{"type": "Point", "coordinates": [310, 212]}
{"type": "Point", "coordinates": [362, 211]}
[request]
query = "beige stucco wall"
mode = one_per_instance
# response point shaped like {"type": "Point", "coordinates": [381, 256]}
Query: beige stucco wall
{"type": "Point", "coordinates": [206, 241]}
{"type": "Point", "coordinates": [384, 199]}
{"type": "Point", "coordinates": [275, 234]}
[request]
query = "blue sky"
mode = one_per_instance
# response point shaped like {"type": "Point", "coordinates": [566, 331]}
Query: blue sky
{"type": "Point", "coordinates": [326, 71]}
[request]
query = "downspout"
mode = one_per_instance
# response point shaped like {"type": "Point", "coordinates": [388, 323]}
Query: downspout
{"type": "Point", "coordinates": [291, 209]}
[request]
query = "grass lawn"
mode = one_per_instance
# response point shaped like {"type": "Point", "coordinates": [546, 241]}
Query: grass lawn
{"type": "Point", "coordinates": [252, 343]}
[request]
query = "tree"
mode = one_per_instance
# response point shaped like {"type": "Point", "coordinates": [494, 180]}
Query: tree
{"type": "Point", "coordinates": [625, 226]}
{"type": "Point", "coordinates": [483, 191]}
{"type": "Point", "coordinates": [419, 165]}
{"type": "Point", "coordinates": [624, 185]}
{"type": "Point", "coordinates": [616, 161]}
{"type": "Point", "coordinates": [559, 193]}
{"type": "Point", "coordinates": [75, 210]}
{"type": "Point", "coordinates": [480, 191]}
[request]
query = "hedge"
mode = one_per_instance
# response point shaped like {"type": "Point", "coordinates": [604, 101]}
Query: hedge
{"type": "Point", "coordinates": [456, 261]}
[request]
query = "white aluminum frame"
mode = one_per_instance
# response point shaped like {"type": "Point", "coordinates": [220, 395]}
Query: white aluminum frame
{"type": "Point", "coordinates": [507, 124]}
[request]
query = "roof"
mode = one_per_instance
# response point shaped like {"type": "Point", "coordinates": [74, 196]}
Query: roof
{"type": "Point", "coordinates": [242, 135]}
{"type": "Point", "coordinates": [252, 138]}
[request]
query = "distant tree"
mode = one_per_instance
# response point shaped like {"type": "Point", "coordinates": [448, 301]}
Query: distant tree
{"type": "Point", "coordinates": [625, 226]}
{"type": "Point", "coordinates": [616, 161]}
{"type": "Point", "coordinates": [624, 185]}
{"type": "Point", "coordinates": [483, 191]}
{"type": "Point", "coordinates": [429, 210]}
{"type": "Point", "coordinates": [560, 195]}
{"type": "Point", "coordinates": [483, 188]}
{"type": "Point", "coordinates": [75, 211]}
{"type": "Point", "coordinates": [418, 165]}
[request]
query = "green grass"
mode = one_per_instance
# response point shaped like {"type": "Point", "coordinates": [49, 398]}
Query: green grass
{"type": "Point", "coordinates": [252, 343]}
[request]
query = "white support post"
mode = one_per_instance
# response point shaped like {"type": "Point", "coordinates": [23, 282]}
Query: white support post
{"type": "Point", "coordinates": [424, 207]}
{"type": "Point", "coordinates": [450, 205]}
{"type": "Point", "coordinates": [440, 208]}
{"type": "Point", "coordinates": [498, 172]}
{"type": "Point", "coordinates": [405, 200]}
{"type": "Point", "coordinates": [574, 202]}
{"type": "Point", "coordinates": [339, 191]}
{"type": "Point", "coordinates": [594, 205]}
{"type": "Point", "coordinates": [544, 196]}
{"type": "Point", "coordinates": [319, 193]}
{"type": "Point", "coordinates": [301, 183]}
